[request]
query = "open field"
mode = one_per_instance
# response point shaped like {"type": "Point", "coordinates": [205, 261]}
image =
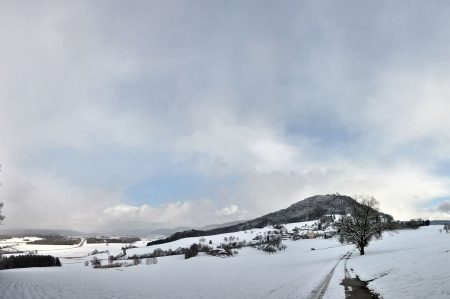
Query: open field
{"type": "Point", "coordinates": [414, 263]}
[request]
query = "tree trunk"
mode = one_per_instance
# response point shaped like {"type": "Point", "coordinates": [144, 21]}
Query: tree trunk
{"type": "Point", "coordinates": [361, 250]}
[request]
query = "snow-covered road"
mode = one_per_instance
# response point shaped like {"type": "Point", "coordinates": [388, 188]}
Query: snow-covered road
{"type": "Point", "coordinates": [321, 289]}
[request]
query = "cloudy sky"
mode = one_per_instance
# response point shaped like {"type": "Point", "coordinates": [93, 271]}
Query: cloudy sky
{"type": "Point", "coordinates": [117, 114]}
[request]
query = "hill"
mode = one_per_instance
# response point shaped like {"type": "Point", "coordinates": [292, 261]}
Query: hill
{"type": "Point", "coordinates": [439, 222]}
{"type": "Point", "coordinates": [219, 225]}
{"type": "Point", "coordinates": [311, 208]}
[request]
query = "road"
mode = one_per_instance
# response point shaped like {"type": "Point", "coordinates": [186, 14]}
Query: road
{"type": "Point", "coordinates": [321, 288]}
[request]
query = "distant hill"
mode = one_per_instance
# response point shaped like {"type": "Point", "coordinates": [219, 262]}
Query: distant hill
{"type": "Point", "coordinates": [142, 233]}
{"type": "Point", "coordinates": [219, 225]}
{"type": "Point", "coordinates": [439, 222]}
{"type": "Point", "coordinates": [38, 232]}
{"type": "Point", "coordinates": [146, 233]}
{"type": "Point", "coordinates": [311, 208]}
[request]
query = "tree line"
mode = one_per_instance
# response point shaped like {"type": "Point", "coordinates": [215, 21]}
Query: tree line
{"type": "Point", "coordinates": [29, 260]}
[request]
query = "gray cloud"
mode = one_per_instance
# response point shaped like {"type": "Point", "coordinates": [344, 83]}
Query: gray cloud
{"type": "Point", "coordinates": [444, 207]}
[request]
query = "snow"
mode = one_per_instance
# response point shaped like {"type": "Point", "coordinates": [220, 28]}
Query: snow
{"type": "Point", "coordinates": [17, 241]}
{"type": "Point", "coordinates": [415, 264]}
{"type": "Point", "coordinates": [250, 274]}
{"type": "Point", "coordinates": [302, 225]}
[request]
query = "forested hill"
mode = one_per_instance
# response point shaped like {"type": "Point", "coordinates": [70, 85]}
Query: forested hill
{"type": "Point", "coordinates": [311, 208]}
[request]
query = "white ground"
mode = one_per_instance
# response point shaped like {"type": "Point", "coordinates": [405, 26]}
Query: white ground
{"type": "Point", "coordinates": [417, 263]}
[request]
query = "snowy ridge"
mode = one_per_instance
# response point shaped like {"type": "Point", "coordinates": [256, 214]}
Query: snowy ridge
{"type": "Point", "coordinates": [311, 208]}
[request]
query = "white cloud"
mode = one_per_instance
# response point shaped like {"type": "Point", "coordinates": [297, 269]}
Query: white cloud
{"type": "Point", "coordinates": [410, 105]}
{"type": "Point", "coordinates": [229, 210]}
{"type": "Point", "coordinates": [42, 200]}
{"type": "Point", "coordinates": [192, 213]}
{"type": "Point", "coordinates": [241, 146]}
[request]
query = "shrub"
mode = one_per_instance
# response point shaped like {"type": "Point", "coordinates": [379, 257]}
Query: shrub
{"type": "Point", "coordinates": [192, 251]}
{"type": "Point", "coordinates": [269, 249]}
{"type": "Point", "coordinates": [228, 251]}
{"type": "Point", "coordinates": [95, 261]}
{"type": "Point", "coordinates": [136, 262]}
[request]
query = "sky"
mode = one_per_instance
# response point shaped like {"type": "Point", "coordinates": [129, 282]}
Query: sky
{"type": "Point", "coordinates": [150, 114]}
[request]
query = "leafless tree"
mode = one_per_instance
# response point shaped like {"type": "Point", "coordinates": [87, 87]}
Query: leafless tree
{"type": "Point", "coordinates": [1, 204]}
{"type": "Point", "coordinates": [363, 224]}
{"type": "Point", "coordinates": [1, 216]}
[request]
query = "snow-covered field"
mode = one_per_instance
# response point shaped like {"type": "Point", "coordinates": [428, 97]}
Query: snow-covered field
{"type": "Point", "coordinates": [412, 264]}
{"type": "Point", "coordinates": [416, 263]}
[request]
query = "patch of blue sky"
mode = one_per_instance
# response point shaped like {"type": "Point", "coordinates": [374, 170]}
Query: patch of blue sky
{"type": "Point", "coordinates": [171, 186]}
{"type": "Point", "coordinates": [145, 177]}
{"type": "Point", "coordinates": [165, 188]}
{"type": "Point", "coordinates": [104, 166]}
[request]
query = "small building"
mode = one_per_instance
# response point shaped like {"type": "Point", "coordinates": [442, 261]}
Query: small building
{"type": "Point", "coordinates": [218, 252]}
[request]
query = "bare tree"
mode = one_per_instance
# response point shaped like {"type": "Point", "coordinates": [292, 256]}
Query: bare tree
{"type": "Point", "coordinates": [362, 225]}
{"type": "Point", "coordinates": [1, 204]}
{"type": "Point", "coordinates": [1, 216]}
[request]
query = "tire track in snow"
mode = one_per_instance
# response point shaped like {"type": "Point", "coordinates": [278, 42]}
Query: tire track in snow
{"type": "Point", "coordinates": [320, 290]}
